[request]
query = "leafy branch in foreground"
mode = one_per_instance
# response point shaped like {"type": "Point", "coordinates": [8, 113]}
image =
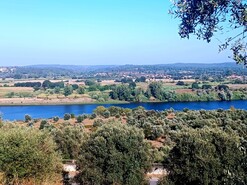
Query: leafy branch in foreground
{"type": "Point", "coordinates": [203, 18]}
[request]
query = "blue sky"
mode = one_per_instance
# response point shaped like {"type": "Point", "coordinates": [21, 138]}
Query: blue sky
{"type": "Point", "coordinates": [91, 32]}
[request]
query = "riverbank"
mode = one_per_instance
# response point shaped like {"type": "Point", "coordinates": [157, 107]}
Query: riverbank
{"type": "Point", "coordinates": [64, 101]}
{"type": "Point", "coordinates": [75, 101]}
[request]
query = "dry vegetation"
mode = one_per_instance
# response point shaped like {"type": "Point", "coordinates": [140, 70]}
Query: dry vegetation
{"type": "Point", "coordinates": [181, 91]}
{"type": "Point", "coordinates": [237, 86]}
{"type": "Point", "coordinates": [44, 101]}
{"type": "Point", "coordinates": [6, 90]}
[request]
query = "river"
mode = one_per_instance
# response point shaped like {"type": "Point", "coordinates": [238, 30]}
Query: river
{"type": "Point", "coordinates": [48, 111]}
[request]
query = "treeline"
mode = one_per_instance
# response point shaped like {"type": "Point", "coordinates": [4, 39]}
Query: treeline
{"type": "Point", "coordinates": [212, 72]}
{"type": "Point", "coordinates": [132, 92]}
{"type": "Point", "coordinates": [46, 84]}
{"type": "Point", "coordinates": [157, 91]}
{"type": "Point", "coordinates": [28, 84]}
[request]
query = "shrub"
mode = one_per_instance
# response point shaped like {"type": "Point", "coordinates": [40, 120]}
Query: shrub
{"type": "Point", "coordinates": [30, 124]}
{"type": "Point", "coordinates": [195, 85]}
{"type": "Point", "coordinates": [185, 110]}
{"type": "Point", "coordinates": [67, 116]}
{"type": "Point", "coordinates": [68, 90]}
{"type": "Point", "coordinates": [93, 116]}
{"type": "Point", "coordinates": [98, 123]}
{"type": "Point", "coordinates": [180, 83]}
{"type": "Point", "coordinates": [79, 118]}
{"type": "Point", "coordinates": [43, 124]}
{"type": "Point", "coordinates": [35, 120]}
{"type": "Point", "coordinates": [75, 86]}
{"type": "Point", "coordinates": [81, 90]}
{"type": "Point", "coordinates": [101, 99]}
{"type": "Point", "coordinates": [28, 118]}
{"type": "Point", "coordinates": [72, 116]}
{"type": "Point", "coordinates": [106, 114]}
{"type": "Point", "coordinates": [56, 119]}
{"type": "Point", "coordinates": [100, 110]}
{"type": "Point", "coordinates": [10, 95]}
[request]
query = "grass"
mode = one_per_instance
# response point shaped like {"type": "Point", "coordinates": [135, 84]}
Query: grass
{"type": "Point", "coordinates": [5, 90]}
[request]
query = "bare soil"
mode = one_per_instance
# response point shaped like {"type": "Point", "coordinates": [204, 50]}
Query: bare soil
{"type": "Point", "coordinates": [181, 91]}
{"type": "Point", "coordinates": [40, 101]}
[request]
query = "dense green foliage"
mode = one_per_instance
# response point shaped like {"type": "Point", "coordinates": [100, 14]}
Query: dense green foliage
{"type": "Point", "coordinates": [141, 79]}
{"type": "Point", "coordinates": [28, 84]}
{"type": "Point", "coordinates": [80, 118]}
{"type": "Point", "coordinates": [114, 154]}
{"type": "Point", "coordinates": [196, 147]}
{"type": "Point", "coordinates": [27, 154]}
{"type": "Point", "coordinates": [68, 90]}
{"type": "Point", "coordinates": [47, 84]}
{"type": "Point", "coordinates": [43, 124]}
{"type": "Point", "coordinates": [69, 140]}
{"type": "Point", "coordinates": [207, 156]}
{"type": "Point", "coordinates": [81, 90]}
{"type": "Point", "coordinates": [121, 92]}
{"type": "Point", "coordinates": [67, 116]}
{"type": "Point", "coordinates": [206, 147]}
{"type": "Point", "coordinates": [173, 122]}
{"type": "Point", "coordinates": [159, 92]}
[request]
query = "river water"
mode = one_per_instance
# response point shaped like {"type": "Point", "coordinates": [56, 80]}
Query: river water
{"type": "Point", "coordinates": [48, 111]}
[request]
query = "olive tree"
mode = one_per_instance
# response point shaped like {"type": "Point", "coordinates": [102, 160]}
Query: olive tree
{"type": "Point", "coordinates": [206, 156]}
{"type": "Point", "coordinates": [27, 155]}
{"type": "Point", "coordinates": [114, 154]}
{"type": "Point", "coordinates": [69, 140]}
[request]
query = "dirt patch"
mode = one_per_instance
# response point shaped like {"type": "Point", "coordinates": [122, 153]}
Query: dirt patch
{"type": "Point", "coordinates": [108, 82]}
{"type": "Point", "coordinates": [181, 91]}
{"type": "Point", "coordinates": [142, 85]}
{"type": "Point", "coordinates": [156, 144]}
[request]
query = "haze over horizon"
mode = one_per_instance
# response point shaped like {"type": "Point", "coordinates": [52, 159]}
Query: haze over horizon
{"type": "Point", "coordinates": [88, 65]}
{"type": "Point", "coordinates": [96, 32]}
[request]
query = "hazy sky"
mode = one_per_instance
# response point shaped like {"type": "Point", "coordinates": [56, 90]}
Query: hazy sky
{"type": "Point", "coordinates": [89, 32]}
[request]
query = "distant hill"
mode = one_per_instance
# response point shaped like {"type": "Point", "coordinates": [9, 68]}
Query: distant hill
{"type": "Point", "coordinates": [55, 71]}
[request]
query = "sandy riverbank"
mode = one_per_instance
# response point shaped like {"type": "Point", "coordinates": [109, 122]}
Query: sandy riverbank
{"type": "Point", "coordinates": [39, 101]}
{"type": "Point", "coordinates": [62, 101]}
